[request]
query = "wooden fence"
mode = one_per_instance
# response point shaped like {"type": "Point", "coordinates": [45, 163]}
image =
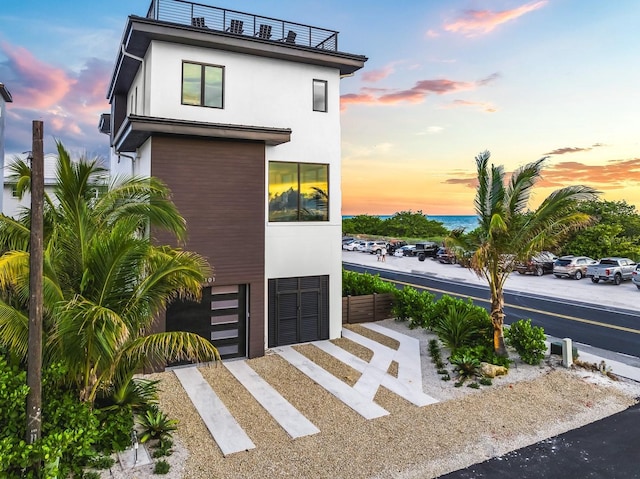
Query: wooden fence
{"type": "Point", "coordinates": [363, 309]}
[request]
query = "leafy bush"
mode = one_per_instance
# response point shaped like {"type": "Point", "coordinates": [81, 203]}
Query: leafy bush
{"type": "Point", "coordinates": [116, 424]}
{"type": "Point", "coordinates": [528, 341]}
{"type": "Point", "coordinates": [102, 462]}
{"type": "Point", "coordinates": [156, 425]}
{"type": "Point", "coordinates": [68, 433]}
{"type": "Point", "coordinates": [162, 467]}
{"type": "Point", "coordinates": [414, 306]}
{"type": "Point", "coordinates": [358, 284]}
{"type": "Point", "coordinates": [462, 325]}
{"type": "Point", "coordinates": [485, 353]}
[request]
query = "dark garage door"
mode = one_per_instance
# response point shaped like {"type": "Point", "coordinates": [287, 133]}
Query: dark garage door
{"type": "Point", "coordinates": [298, 310]}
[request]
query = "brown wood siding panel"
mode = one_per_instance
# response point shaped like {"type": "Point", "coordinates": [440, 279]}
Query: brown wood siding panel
{"type": "Point", "coordinates": [218, 186]}
{"type": "Point", "coordinates": [363, 309]}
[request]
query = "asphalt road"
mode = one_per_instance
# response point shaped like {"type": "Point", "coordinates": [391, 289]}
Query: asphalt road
{"type": "Point", "coordinates": [601, 326]}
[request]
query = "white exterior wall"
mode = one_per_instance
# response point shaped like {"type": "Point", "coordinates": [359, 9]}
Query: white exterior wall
{"type": "Point", "coordinates": [271, 93]}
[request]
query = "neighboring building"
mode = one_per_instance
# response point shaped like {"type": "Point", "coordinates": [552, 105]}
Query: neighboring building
{"type": "Point", "coordinates": [240, 116]}
{"type": "Point", "coordinates": [5, 97]}
{"type": "Point", "coordinates": [11, 205]}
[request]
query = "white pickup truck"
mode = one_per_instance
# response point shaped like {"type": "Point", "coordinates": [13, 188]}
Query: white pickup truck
{"type": "Point", "coordinates": [611, 269]}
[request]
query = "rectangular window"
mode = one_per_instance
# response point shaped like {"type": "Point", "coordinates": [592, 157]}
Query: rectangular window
{"type": "Point", "coordinates": [298, 192]}
{"type": "Point", "coordinates": [319, 95]}
{"type": "Point", "coordinates": [202, 85]}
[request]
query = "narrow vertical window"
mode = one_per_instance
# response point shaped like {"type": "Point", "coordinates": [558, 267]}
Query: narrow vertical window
{"type": "Point", "coordinates": [319, 95]}
{"type": "Point", "coordinates": [202, 85]}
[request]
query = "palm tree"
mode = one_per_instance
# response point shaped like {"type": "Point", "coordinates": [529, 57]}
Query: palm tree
{"type": "Point", "coordinates": [509, 232]}
{"type": "Point", "coordinates": [105, 282]}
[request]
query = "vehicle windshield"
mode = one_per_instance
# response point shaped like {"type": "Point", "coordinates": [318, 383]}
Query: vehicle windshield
{"type": "Point", "coordinates": [609, 261]}
{"type": "Point", "coordinates": [563, 262]}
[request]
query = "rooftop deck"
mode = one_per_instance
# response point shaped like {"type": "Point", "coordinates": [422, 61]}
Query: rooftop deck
{"type": "Point", "coordinates": [244, 24]}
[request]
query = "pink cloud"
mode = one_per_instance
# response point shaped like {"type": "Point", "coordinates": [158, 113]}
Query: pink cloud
{"type": "Point", "coordinates": [45, 84]}
{"type": "Point", "coordinates": [69, 103]}
{"type": "Point", "coordinates": [488, 107]}
{"type": "Point", "coordinates": [572, 149]}
{"type": "Point", "coordinates": [479, 22]}
{"type": "Point", "coordinates": [415, 94]}
{"type": "Point", "coordinates": [377, 75]}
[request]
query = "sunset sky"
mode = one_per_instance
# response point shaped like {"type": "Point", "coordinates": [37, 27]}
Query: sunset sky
{"type": "Point", "coordinates": [445, 80]}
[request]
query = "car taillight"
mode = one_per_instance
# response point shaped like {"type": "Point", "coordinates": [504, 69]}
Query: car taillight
{"type": "Point", "coordinates": [607, 271]}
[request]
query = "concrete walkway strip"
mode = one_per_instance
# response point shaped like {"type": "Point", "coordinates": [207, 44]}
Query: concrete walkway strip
{"type": "Point", "coordinates": [408, 384]}
{"type": "Point", "coordinates": [280, 409]}
{"type": "Point", "coordinates": [223, 427]}
{"type": "Point", "coordinates": [348, 395]}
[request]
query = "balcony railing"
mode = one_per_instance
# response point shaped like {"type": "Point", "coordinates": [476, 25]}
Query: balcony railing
{"type": "Point", "coordinates": [243, 24]}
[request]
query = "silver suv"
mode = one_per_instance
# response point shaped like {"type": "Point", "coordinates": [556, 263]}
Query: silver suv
{"type": "Point", "coordinates": [572, 266]}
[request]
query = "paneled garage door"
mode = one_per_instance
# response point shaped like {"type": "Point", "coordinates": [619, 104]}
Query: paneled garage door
{"type": "Point", "coordinates": [298, 310]}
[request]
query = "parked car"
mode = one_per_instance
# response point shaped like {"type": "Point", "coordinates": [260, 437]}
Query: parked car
{"type": "Point", "coordinates": [395, 245]}
{"type": "Point", "coordinates": [572, 266]}
{"type": "Point", "coordinates": [612, 269]}
{"type": "Point", "coordinates": [375, 247]}
{"type": "Point", "coordinates": [538, 265]}
{"type": "Point", "coordinates": [354, 245]}
{"type": "Point", "coordinates": [446, 255]}
{"type": "Point", "coordinates": [405, 250]}
{"type": "Point", "coordinates": [425, 250]}
{"type": "Point", "coordinates": [635, 277]}
{"type": "Point", "coordinates": [347, 239]}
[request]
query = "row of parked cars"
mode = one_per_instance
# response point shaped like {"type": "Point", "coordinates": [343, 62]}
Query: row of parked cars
{"type": "Point", "coordinates": [612, 269]}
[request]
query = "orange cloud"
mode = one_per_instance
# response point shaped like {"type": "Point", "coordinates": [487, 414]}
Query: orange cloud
{"type": "Point", "coordinates": [479, 22]}
{"type": "Point", "coordinates": [612, 175]}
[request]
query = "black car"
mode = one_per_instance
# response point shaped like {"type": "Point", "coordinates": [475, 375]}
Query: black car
{"type": "Point", "coordinates": [538, 265]}
{"type": "Point", "coordinates": [424, 250]}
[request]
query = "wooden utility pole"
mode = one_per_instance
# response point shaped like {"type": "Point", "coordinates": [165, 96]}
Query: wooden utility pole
{"type": "Point", "coordinates": [34, 354]}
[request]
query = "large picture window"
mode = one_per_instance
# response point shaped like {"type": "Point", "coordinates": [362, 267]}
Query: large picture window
{"type": "Point", "coordinates": [202, 85]}
{"type": "Point", "coordinates": [298, 192]}
{"type": "Point", "coordinates": [319, 95]}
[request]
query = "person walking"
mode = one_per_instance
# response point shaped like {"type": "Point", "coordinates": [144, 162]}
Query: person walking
{"type": "Point", "coordinates": [383, 254]}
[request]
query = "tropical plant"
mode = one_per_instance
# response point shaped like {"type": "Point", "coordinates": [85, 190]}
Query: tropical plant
{"type": "Point", "coordinates": [156, 425]}
{"type": "Point", "coordinates": [462, 326]}
{"type": "Point", "coordinates": [414, 306]}
{"type": "Point", "coordinates": [528, 341]}
{"type": "Point", "coordinates": [508, 232]}
{"type": "Point", "coordinates": [356, 284]}
{"type": "Point", "coordinates": [105, 282]}
{"type": "Point", "coordinates": [465, 365]}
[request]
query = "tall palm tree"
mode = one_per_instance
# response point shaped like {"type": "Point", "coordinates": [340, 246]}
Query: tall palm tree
{"type": "Point", "coordinates": [508, 232]}
{"type": "Point", "coordinates": [105, 282]}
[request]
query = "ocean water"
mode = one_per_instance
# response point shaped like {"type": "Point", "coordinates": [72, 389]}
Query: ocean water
{"type": "Point", "coordinates": [451, 222]}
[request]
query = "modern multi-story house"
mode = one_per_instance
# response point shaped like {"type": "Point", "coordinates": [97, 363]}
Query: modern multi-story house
{"type": "Point", "coordinates": [5, 97]}
{"type": "Point", "coordinates": [239, 114]}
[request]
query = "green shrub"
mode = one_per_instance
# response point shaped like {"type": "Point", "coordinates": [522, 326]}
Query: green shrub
{"type": "Point", "coordinates": [102, 462]}
{"type": "Point", "coordinates": [445, 303]}
{"type": "Point", "coordinates": [485, 354]}
{"type": "Point", "coordinates": [68, 432]}
{"type": "Point", "coordinates": [162, 467]}
{"type": "Point", "coordinates": [156, 425]}
{"type": "Point", "coordinates": [414, 306]}
{"type": "Point", "coordinates": [116, 424]}
{"type": "Point", "coordinates": [528, 341]}
{"type": "Point", "coordinates": [358, 284]}
{"type": "Point", "coordinates": [91, 475]}
{"type": "Point", "coordinates": [486, 381]}
{"type": "Point", "coordinates": [462, 325]}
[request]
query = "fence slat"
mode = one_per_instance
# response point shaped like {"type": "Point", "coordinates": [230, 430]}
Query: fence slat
{"type": "Point", "coordinates": [366, 308]}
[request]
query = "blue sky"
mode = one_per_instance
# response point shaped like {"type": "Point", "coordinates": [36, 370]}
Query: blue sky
{"type": "Point", "coordinates": [445, 80]}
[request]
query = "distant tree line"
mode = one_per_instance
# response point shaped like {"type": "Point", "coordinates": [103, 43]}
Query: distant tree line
{"type": "Point", "coordinates": [403, 224]}
{"type": "Point", "coordinates": [614, 229]}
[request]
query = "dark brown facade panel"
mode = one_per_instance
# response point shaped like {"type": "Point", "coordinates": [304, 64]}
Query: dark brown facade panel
{"type": "Point", "coordinates": [218, 186]}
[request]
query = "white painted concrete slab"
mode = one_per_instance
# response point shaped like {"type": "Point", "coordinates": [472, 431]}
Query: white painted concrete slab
{"type": "Point", "coordinates": [225, 430]}
{"type": "Point", "coordinates": [348, 395]}
{"type": "Point", "coordinates": [408, 384]}
{"type": "Point", "coordinates": [280, 409]}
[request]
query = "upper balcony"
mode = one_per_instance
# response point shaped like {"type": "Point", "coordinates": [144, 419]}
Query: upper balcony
{"type": "Point", "coordinates": [242, 24]}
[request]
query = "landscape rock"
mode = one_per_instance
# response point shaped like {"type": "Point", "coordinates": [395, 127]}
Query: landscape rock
{"type": "Point", "coordinates": [491, 370]}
